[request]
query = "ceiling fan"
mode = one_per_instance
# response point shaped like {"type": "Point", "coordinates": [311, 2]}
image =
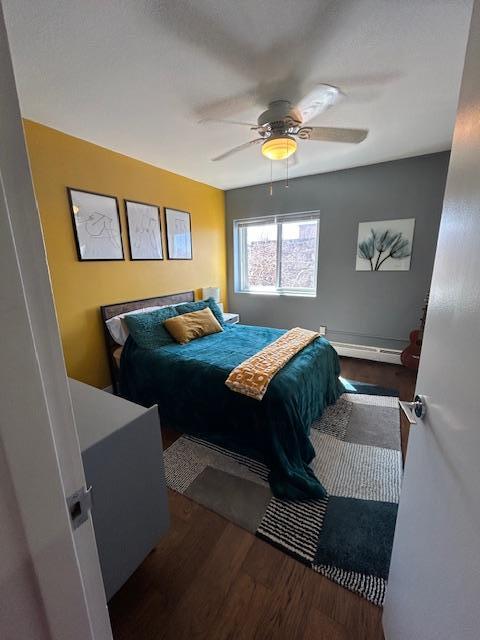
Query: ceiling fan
{"type": "Point", "coordinates": [281, 125]}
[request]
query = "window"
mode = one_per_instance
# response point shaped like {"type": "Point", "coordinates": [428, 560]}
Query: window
{"type": "Point", "coordinates": [277, 254]}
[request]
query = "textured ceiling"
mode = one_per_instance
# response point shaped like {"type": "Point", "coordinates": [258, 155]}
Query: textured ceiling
{"type": "Point", "coordinates": [136, 76]}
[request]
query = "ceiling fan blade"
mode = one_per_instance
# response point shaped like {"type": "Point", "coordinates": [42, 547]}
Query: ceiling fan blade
{"type": "Point", "coordinates": [220, 121]}
{"type": "Point", "coordinates": [333, 134]}
{"type": "Point", "coordinates": [228, 108]}
{"type": "Point", "coordinates": [318, 100]}
{"type": "Point", "coordinates": [240, 147]}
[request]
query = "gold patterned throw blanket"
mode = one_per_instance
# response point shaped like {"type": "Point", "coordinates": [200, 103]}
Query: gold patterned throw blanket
{"type": "Point", "coordinates": [252, 377]}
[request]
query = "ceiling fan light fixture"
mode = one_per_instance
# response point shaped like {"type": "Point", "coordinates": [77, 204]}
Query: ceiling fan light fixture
{"type": "Point", "coordinates": [279, 148]}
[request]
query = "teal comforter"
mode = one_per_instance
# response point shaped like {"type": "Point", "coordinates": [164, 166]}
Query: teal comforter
{"type": "Point", "coordinates": [188, 384]}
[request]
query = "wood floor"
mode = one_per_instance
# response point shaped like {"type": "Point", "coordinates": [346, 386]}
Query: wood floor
{"type": "Point", "coordinates": [211, 580]}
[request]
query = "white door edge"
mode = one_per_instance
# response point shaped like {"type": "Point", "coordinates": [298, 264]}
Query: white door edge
{"type": "Point", "coordinates": [37, 429]}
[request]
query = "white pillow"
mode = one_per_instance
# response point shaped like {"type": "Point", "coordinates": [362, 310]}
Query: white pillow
{"type": "Point", "coordinates": [118, 329]}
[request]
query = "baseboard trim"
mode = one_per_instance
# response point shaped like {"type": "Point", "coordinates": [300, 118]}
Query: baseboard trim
{"type": "Point", "coordinates": [379, 354]}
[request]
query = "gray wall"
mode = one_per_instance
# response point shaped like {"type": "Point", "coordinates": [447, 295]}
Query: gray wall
{"type": "Point", "coordinates": [361, 307]}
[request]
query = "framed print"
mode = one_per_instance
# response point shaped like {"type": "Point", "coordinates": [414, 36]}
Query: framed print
{"type": "Point", "coordinates": [179, 234]}
{"type": "Point", "coordinates": [385, 245]}
{"type": "Point", "coordinates": [96, 224]}
{"type": "Point", "coordinates": [144, 231]}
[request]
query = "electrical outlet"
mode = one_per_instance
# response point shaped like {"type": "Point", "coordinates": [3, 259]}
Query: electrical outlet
{"type": "Point", "coordinates": [322, 330]}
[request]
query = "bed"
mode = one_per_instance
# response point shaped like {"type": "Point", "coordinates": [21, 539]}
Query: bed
{"type": "Point", "coordinates": [188, 384]}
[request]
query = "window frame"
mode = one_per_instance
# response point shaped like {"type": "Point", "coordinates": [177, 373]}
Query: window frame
{"type": "Point", "coordinates": [240, 227]}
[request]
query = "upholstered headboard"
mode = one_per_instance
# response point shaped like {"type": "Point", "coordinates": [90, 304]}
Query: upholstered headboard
{"type": "Point", "coordinates": [111, 310]}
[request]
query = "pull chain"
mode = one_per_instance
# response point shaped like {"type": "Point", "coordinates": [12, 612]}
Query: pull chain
{"type": "Point", "coordinates": [271, 177]}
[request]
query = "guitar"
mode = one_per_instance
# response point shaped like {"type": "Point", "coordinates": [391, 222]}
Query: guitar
{"type": "Point", "coordinates": [410, 357]}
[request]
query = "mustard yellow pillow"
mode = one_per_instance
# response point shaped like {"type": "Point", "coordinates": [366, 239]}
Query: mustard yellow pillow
{"type": "Point", "coordinates": [192, 325]}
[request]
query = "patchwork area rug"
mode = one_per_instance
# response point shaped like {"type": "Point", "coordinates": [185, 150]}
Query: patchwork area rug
{"type": "Point", "coordinates": [347, 536]}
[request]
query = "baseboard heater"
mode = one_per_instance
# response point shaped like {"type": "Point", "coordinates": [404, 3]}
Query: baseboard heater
{"type": "Point", "coordinates": [380, 354]}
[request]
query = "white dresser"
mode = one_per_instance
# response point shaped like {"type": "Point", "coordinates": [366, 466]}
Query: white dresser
{"type": "Point", "coordinates": [122, 454]}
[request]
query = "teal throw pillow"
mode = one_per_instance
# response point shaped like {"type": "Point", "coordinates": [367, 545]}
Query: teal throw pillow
{"type": "Point", "coordinates": [147, 328]}
{"type": "Point", "coordinates": [189, 307]}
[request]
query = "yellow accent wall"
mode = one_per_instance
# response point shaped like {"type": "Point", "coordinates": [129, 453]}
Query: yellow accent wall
{"type": "Point", "coordinates": [80, 288]}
